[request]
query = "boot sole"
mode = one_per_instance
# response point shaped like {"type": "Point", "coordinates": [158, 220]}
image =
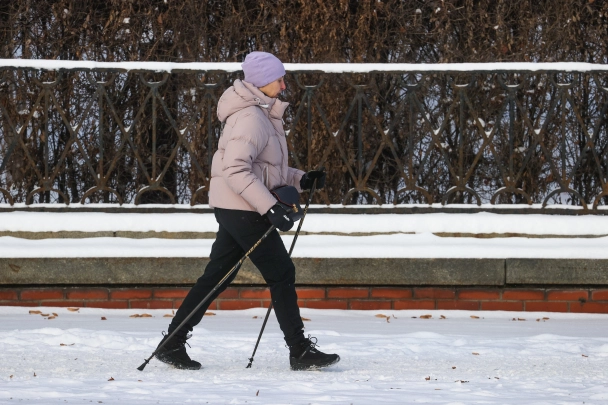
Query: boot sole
{"type": "Point", "coordinates": [179, 365]}
{"type": "Point", "coordinates": [311, 367]}
{"type": "Point", "coordinates": [186, 368]}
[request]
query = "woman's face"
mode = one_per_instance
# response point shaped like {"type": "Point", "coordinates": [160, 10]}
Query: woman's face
{"type": "Point", "coordinates": [275, 88]}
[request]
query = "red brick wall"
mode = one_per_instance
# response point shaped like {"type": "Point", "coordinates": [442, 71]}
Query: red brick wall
{"type": "Point", "coordinates": [573, 299]}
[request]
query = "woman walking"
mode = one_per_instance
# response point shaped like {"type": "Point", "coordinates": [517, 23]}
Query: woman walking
{"type": "Point", "coordinates": [250, 161]}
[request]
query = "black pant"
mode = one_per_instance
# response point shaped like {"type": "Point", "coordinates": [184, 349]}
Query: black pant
{"type": "Point", "coordinates": [238, 232]}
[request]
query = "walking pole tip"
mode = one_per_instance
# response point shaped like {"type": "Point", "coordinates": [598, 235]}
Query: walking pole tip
{"type": "Point", "coordinates": [141, 368]}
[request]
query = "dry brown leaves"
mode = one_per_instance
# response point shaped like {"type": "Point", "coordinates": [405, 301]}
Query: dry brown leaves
{"type": "Point", "coordinates": [52, 315]}
{"type": "Point", "coordinates": [72, 309]}
{"type": "Point", "coordinates": [375, 31]}
{"type": "Point", "coordinates": [426, 316]}
{"type": "Point", "coordinates": [387, 317]}
{"type": "Point", "coordinates": [209, 313]}
{"type": "Point", "coordinates": [140, 316]}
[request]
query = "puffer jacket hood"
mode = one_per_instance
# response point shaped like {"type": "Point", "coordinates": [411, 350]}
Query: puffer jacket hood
{"type": "Point", "coordinates": [252, 151]}
{"type": "Point", "coordinates": [242, 95]}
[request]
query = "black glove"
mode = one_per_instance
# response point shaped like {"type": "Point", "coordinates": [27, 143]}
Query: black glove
{"type": "Point", "coordinates": [277, 216]}
{"type": "Point", "coordinates": [308, 178]}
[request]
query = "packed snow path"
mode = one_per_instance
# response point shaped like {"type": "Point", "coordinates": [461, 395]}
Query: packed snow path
{"type": "Point", "coordinates": [454, 357]}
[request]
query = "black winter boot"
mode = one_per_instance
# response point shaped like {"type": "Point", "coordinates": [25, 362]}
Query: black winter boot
{"type": "Point", "coordinates": [174, 352]}
{"type": "Point", "coordinates": [305, 356]}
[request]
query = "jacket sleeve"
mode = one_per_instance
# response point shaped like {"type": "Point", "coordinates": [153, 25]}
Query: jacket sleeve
{"type": "Point", "coordinates": [240, 152]}
{"type": "Point", "coordinates": [293, 178]}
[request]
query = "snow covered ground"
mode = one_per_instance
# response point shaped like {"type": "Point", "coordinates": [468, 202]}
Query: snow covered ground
{"type": "Point", "coordinates": [498, 358]}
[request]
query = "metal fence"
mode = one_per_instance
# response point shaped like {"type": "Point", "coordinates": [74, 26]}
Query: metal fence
{"type": "Point", "coordinates": [512, 136]}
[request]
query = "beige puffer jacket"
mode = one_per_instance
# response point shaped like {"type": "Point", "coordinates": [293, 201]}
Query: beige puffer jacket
{"type": "Point", "coordinates": [252, 154]}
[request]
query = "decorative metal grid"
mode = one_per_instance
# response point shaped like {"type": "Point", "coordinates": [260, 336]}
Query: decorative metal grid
{"type": "Point", "coordinates": [76, 136]}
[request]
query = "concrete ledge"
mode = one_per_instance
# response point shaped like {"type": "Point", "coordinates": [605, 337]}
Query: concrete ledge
{"type": "Point", "coordinates": [87, 271]}
{"type": "Point", "coordinates": [378, 271]}
{"type": "Point", "coordinates": [326, 271]}
{"type": "Point", "coordinates": [185, 271]}
{"type": "Point", "coordinates": [556, 271]}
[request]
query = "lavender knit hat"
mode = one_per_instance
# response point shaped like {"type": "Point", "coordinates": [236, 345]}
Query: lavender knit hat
{"type": "Point", "coordinates": [262, 68]}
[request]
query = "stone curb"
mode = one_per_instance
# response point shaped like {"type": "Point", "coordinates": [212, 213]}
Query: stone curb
{"type": "Point", "coordinates": [310, 271]}
{"type": "Point", "coordinates": [556, 271]}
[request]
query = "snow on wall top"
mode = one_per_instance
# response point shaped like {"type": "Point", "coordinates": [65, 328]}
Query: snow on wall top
{"type": "Point", "coordinates": [45, 64]}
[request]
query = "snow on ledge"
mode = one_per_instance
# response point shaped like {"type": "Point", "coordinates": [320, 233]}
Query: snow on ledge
{"type": "Point", "coordinates": [398, 246]}
{"type": "Point", "coordinates": [336, 207]}
{"type": "Point", "coordinates": [436, 223]}
{"type": "Point", "coordinates": [46, 64]}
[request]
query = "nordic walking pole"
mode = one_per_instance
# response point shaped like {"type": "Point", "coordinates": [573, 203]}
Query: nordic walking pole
{"type": "Point", "coordinates": [235, 268]}
{"type": "Point", "coordinates": [293, 243]}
